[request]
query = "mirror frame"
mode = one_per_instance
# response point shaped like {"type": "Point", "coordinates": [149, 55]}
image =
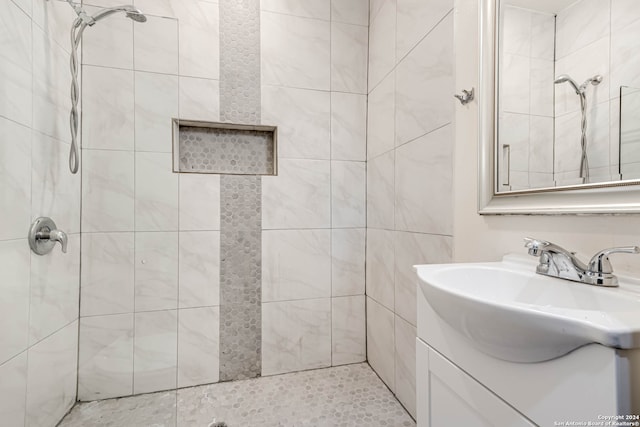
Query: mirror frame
{"type": "Point", "coordinates": [609, 198]}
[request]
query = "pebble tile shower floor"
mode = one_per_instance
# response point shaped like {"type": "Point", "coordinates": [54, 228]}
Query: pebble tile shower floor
{"type": "Point", "coordinates": [346, 396]}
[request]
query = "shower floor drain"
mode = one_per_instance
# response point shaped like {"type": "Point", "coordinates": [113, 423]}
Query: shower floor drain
{"type": "Point", "coordinates": [218, 424]}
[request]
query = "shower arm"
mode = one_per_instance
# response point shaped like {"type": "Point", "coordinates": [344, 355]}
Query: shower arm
{"type": "Point", "coordinates": [82, 15]}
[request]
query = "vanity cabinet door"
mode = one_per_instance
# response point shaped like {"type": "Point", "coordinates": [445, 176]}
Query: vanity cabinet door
{"type": "Point", "coordinates": [447, 396]}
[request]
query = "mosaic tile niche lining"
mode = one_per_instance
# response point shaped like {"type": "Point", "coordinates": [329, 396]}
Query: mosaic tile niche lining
{"type": "Point", "coordinates": [224, 148]}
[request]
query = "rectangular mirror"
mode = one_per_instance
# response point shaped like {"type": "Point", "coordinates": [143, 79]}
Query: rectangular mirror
{"type": "Point", "coordinates": [560, 106]}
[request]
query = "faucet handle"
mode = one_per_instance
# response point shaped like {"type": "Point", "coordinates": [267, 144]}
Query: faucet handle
{"type": "Point", "coordinates": [535, 245]}
{"type": "Point", "coordinates": [600, 262]}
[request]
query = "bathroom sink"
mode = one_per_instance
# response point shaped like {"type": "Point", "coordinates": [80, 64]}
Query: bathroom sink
{"type": "Point", "coordinates": [510, 312]}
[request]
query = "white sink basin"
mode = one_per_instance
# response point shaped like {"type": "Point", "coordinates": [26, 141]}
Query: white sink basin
{"type": "Point", "coordinates": [510, 312]}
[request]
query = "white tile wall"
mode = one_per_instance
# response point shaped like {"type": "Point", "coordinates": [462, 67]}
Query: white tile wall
{"type": "Point", "coordinates": [295, 51]}
{"type": "Point", "coordinates": [348, 194]}
{"type": "Point", "coordinates": [106, 357]}
{"type": "Point", "coordinates": [348, 330]}
{"type": "Point", "coordinates": [198, 346]}
{"type": "Point", "coordinates": [156, 271]}
{"type": "Point", "coordinates": [155, 351]}
{"type": "Point", "coordinates": [199, 268]}
{"type": "Point", "coordinates": [348, 126]}
{"type": "Point", "coordinates": [107, 282]}
{"type": "Point", "coordinates": [348, 261]}
{"type": "Point", "coordinates": [303, 118]}
{"type": "Point", "coordinates": [296, 264]}
{"type": "Point", "coordinates": [296, 335]}
{"type": "Point", "coordinates": [409, 174]}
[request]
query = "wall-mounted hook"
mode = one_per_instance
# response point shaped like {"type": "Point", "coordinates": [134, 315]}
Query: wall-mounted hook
{"type": "Point", "coordinates": [466, 97]}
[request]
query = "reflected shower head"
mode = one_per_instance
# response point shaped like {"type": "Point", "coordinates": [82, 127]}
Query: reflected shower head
{"type": "Point", "coordinates": [130, 11]}
{"type": "Point", "coordinates": [564, 78]}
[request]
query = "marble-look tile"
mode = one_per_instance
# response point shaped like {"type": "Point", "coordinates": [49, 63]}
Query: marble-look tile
{"type": "Point", "coordinates": [199, 32]}
{"type": "Point", "coordinates": [353, 395]}
{"type": "Point", "coordinates": [198, 346]}
{"type": "Point", "coordinates": [318, 9]}
{"type": "Point", "coordinates": [348, 194]}
{"type": "Point", "coordinates": [107, 191]}
{"type": "Point", "coordinates": [581, 24]}
{"type": "Point", "coordinates": [415, 19]}
{"type": "Point", "coordinates": [567, 142]}
{"type": "Point", "coordinates": [514, 131]}
{"type": "Point", "coordinates": [199, 99]}
{"type": "Point", "coordinates": [543, 36]}
{"type": "Point", "coordinates": [156, 280]}
{"type": "Point", "coordinates": [295, 51]}
{"type": "Point", "coordinates": [541, 144]}
{"type": "Point", "coordinates": [296, 335]}
{"type": "Point", "coordinates": [515, 84]}
{"type": "Point", "coordinates": [624, 62]}
{"type": "Point", "coordinates": [14, 305]}
{"type": "Point", "coordinates": [349, 58]}
{"type": "Point", "coordinates": [374, 8]}
{"type": "Point", "coordinates": [382, 43]}
{"type": "Point", "coordinates": [299, 197]}
{"type": "Point", "coordinates": [541, 87]}
{"type": "Point", "coordinates": [296, 264]}
{"type": "Point", "coordinates": [381, 123]}
{"type": "Point", "coordinates": [108, 108]}
{"type": "Point", "coordinates": [380, 264]}
{"type": "Point", "coordinates": [51, 377]}
{"type": "Point", "coordinates": [156, 45]}
{"type": "Point", "coordinates": [199, 269]}
{"type": "Point", "coordinates": [424, 84]}
{"type": "Point", "coordinates": [156, 103]}
{"type": "Point", "coordinates": [428, 159]}
{"type": "Point", "coordinates": [350, 12]}
{"type": "Point", "coordinates": [412, 249]}
{"type": "Point", "coordinates": [155, 351]}
{"type": "Point", "coordinates": [303, 118]}
{"type": "Point", "coordinates": [623, 13]}
{"type": "Point", "coordinates": [55, 192]}
{"type": "Point", "coordinates": [199, 202]}
{"type": "Point", "coordinates": [405, 359]}
{"type": "Point", "coordinates": [55, 18]}
{"type": "Point", "coordinates": [348, 261]}
{"type": "Point", "coordinates": [106, 357]}
{"type": "Point", "coordinates": [55, 286]}
{"type": "Point", "coordinates": [516, 30]}
{"type": "Point", "coordinates": [15, 176]}
{"type": "Point", "coordinates": [16, 61]}
{"type": "Point", "coordinates": [25, 5]}
{"type": "Point", "coordinates": [380, 191]}
{"type": "Point", "coordinates": [107, 283]}
{"type": "Point", "coordinates": [156, 193]}
{"type": "Point", "coordinates": [380, 342]}
{"type": "Point", "coordinates": [348, 330]}
{"type": "Point", "coordinates": [51, 83]}
{"type": "Point", "coordinates": [585, 63]}
{"type": "Point", "coordinates": [109, 44]}
{"type": "Point", "coordinates": [13, 389]}
{"type": "Point", "coordinates": [348, 126]}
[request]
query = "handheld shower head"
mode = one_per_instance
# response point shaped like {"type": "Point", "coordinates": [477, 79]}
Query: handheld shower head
{"type": "Point", "coordinates": [131, 12]}
{"type": "Point", "coordinates": [564, 78]}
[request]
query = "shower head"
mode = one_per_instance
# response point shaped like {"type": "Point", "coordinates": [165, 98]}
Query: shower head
{"type": "Point", "coordinates": [130, 11]}
{"type": "Point", "coordinates": [564, 78]}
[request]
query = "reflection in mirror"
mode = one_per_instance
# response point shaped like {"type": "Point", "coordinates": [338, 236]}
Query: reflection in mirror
{"type": "Point", "coordinates": [630, 132]}
{"type": "Point", "coordinates": [561, 66]}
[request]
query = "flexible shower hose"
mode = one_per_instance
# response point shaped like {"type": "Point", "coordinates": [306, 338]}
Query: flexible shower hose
{"type": "Point", "coordinates": [76, 35]}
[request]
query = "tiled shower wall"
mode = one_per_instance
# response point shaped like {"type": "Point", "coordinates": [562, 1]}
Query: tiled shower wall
{"type": "Point", "coordinates": [150, 312]}
{"type": "Point", "coordinates": [594, 37]}
{"type": "Point", "coordinates": [409, 174]}
{"type": "Point", "coordinates": [526, 115]}
{"type": "Point", "coordinates": [38, 294]}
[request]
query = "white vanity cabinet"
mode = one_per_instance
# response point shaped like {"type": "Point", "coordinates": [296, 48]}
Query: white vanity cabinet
{"type": "Point", "coordinates": [457, 385]}
{"type": "Point", "coordinates": [447, 396]}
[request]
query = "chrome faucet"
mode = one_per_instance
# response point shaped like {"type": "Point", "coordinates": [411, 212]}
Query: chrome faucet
{"type": "Point", "coordinates": [44, 234]}
{"type": "Point", "coordinates": [558, 262]}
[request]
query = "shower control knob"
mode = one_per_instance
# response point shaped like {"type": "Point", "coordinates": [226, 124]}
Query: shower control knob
{"type": "Point", "coordinates": [43, 236]}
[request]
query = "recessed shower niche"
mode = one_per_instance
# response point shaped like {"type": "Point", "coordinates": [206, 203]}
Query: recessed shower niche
{"type": "Point", "coordinates": [224, 148]}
